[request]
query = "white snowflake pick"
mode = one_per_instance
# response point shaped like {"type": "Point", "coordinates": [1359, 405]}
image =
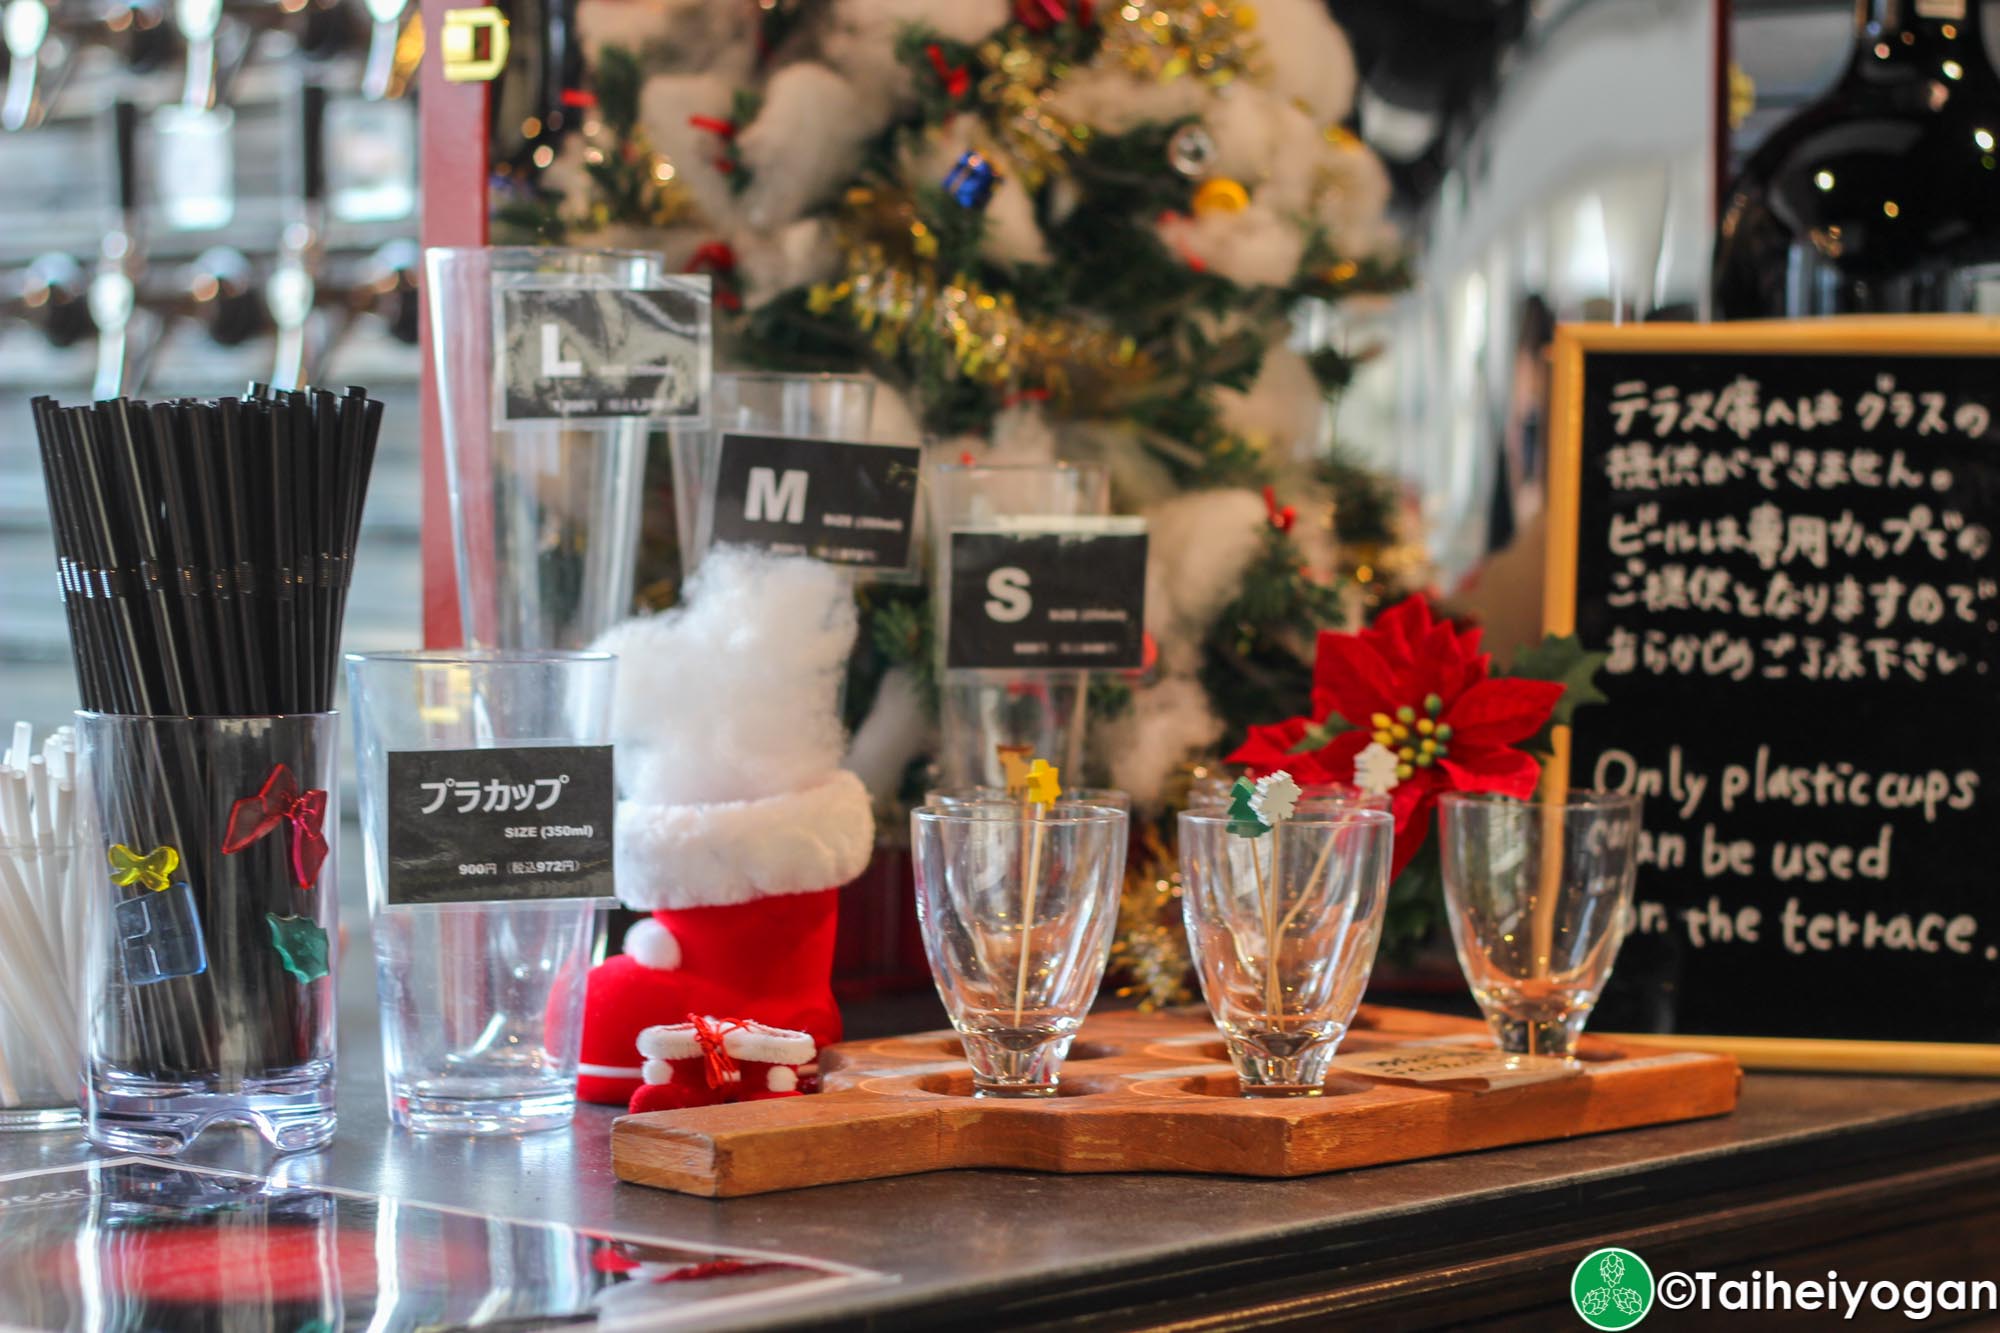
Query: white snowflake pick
{"type": "Point", "coordinates": [1275, 798]}
{"type": "Point", "coordinates": [1375, 770]}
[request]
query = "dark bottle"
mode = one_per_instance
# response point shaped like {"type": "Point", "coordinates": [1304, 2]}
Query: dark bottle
{"type": "Point", "coordinates": [1884, 195]}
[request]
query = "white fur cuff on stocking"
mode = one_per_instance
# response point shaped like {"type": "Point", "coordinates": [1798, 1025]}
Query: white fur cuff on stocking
{"type": "Point", "coordinates": [715, 855]}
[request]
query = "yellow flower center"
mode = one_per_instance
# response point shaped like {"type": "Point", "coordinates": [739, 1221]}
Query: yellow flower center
{"type": "Point", "coordinates": [1414, 733]}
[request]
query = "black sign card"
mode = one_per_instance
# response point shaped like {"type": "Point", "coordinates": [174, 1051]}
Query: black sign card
{"type": "Point", "coordinates": [1052, 600]}
{"type": "Point", "coordinates": [1784, 536]}
{"type": "Point", "coordinates": [843, 502]}
{"type": "Point", "coordinates": [578, 354]}
{"type": "Point", "coordinates": [500, 825]}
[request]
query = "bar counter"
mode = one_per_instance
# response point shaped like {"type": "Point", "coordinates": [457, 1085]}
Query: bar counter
{"type": "Point", "coordinates": [1878, 1177]}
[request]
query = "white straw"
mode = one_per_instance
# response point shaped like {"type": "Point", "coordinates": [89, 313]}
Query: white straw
{"type": "Point", "coordinates": [41, 916]}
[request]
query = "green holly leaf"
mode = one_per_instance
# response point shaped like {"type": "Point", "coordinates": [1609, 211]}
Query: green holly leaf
{"type": "Point", "coordinates": [302, 944]}
{"type": "Point", "coordinates": [1320, 734]}
{"type": "Point", "coordinates": [1244, 821]}
{"type": "Point", "coordinates": [1564, 660]}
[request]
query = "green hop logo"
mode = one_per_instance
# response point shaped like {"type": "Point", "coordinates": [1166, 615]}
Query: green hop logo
{"type": "Point", "coordinates": [1612, 1289]}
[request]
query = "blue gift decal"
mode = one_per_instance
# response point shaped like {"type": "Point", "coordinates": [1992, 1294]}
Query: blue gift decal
{"type": "Point", "coordinates": [159, 936]}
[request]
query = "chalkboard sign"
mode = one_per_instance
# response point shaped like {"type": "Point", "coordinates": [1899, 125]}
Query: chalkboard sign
{"type": "Point", "coordinates": [1783, 534]}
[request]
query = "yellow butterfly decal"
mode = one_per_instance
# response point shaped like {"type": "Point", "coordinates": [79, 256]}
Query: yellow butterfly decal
{"type": "Point", "coordinates": [155, 870]}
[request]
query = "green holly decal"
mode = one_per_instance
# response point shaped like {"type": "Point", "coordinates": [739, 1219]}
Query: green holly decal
{"type": "Point", "coordinates": [302, 945]}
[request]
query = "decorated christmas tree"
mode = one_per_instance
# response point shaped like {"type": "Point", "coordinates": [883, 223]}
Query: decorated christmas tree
{"type": "Point", "coordinates": [1055, 229]}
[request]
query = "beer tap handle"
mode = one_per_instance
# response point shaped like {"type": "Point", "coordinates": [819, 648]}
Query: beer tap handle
{"type": "Point", "coordinates": [126, 335]}
{"type": "Point", "coordinates": [26, 25]}
{"type": "Point", "coordinates": [292, 291]}
{"type": "Point", "coordinates": [200, 25]}
{"type": "Point", "coordinates": [385, 30]}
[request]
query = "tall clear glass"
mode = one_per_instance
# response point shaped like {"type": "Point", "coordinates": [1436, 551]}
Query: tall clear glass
{"type": "Point", "coordinates": [545, 517]}
{"type": "Point", "coordinates": [1283, 928]}
{"type": "Point", "coordinates": [816, 407]}
{"type": "Point", "coordinates": [1539, 894]}
{"type": "Point", "coordinates": [481, 1004]}
{"type": "Point", "coordinates": [1018, 909]}
{"type": "Point", "coordinates": [212, 933]}
{"type": "Point", "coordinates": [983, 711]}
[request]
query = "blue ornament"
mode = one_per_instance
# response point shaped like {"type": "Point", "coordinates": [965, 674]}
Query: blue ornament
{"type": "Point", "coordinates": [971, 182]}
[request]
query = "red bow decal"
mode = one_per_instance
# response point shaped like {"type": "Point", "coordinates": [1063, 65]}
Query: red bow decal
{"type": "Point", "coordinates": [718, 1062]}
{"type": "Point", "coordinates": [1281, 518]}
{"type": "Point", "coordinates": [955, 79]}
{"type": "Point", "coordinates": [281, 802]}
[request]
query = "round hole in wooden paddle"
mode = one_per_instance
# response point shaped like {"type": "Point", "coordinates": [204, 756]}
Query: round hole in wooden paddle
{"type": "Point", "coordinates": [953, 1083]}
{"type": "Point", "coordinates": [1593, 1052]}
{"type": "Point", "coordinates": [1071, 1086]}
{"type": "Point", "coordinates": [1094, 1050]}
{"type": "Point", "coordinates": [1228, 1085]}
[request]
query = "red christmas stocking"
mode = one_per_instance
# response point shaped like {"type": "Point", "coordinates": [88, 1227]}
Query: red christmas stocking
{"type": "Point", "coordinates": [756, 946]}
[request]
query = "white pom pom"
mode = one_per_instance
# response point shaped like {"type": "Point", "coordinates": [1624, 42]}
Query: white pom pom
{"type": "Point", "coordinates": [651, 944]}
{"type": "Point", "coordinates": [782, 1079]}
{"type": "Point", "coordinates": [656, 1072]}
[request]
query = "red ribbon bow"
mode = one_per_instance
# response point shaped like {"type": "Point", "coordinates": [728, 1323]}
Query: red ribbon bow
{"type": "Point", "coordinates": [1041, 15]}
{"type": "Point", "coordinates": [1281, 518]}
{"type": "Point", "coordinates": [281, 802]}
{"type": "Point", "coordinates": [716, 1060]}
{"type": "Point", "coordinates": [718, 259]}
{"type": "Point", "coordinates": [955, 78]}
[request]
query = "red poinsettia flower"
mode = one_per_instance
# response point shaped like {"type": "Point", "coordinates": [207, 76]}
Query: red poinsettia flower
{"type": "Point", "coordinates": [1421, 689]}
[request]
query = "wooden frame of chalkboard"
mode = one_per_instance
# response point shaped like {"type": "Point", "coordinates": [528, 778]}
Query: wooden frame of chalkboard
{"type": "Point", "coordinates": [1752, 993]}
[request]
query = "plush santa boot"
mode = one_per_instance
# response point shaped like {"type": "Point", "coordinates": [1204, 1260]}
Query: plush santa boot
{"type": "Point", "coordinates": [767, 956]}
{"type": "Point", "coordinates": [708, 1061]}
{"type": "Point", "coordinates": [736, 826]}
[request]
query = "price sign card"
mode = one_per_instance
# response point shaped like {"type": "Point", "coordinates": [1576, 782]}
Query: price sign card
{"type": "Point", "coordinates": [1784, 535]}
{"type": "Point", "coordinates": [580, 354]}
{"type": "Point", "coordinates": [1061, 596]}
{"type": "Point", "coordinates": [503, 825]}
{"type": "Point", "coordinates": [842, 502]}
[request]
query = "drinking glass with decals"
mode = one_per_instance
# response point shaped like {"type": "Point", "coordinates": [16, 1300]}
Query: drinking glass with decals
{"type": "Point", "coordinates": [1539, 894]}
{"type": "Point", "coordinates": [1283, 901]}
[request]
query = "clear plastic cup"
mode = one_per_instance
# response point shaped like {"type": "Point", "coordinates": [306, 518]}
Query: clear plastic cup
{"type": "Point", "coordinates": [1018, 909]}
{"type": "Point", "coordinates": [481, 1004]}
{"type": "Point", "coordinates": [545, 517]}
{"type": "Point", "coordinates": [984, 712]}
{"type": "Point", "coordinates": [817, 407]}
{"type": "Point", "coordinates": [1538, 894]}
{"type": "Point", "coordinates": [1284, 928]}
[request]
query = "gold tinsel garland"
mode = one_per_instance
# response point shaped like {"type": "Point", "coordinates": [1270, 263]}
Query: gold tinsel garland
{"type": "Point", "coordinates": [1171, 39]}
{"type": "Point", "coordinates": [892, 291]}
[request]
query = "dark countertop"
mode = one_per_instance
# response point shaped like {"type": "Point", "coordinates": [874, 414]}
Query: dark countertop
{"type": "Point", "coordinates": [989, 1247]}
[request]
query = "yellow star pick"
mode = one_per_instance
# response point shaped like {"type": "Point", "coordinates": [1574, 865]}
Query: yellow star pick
{"type": "Point", "coordinates": [1043, 788]}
